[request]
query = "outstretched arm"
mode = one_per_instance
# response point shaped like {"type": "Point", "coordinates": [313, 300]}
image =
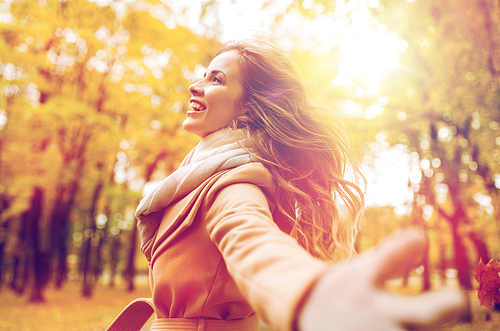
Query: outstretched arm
{"type": "Point", "coordinates": [350, 296]}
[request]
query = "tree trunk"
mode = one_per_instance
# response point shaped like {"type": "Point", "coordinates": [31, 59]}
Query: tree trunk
{"type": "Point", "coordinates": [418, 220]}
{"type": "Point", "coordinates": [130, 269]}
{"type": "Point", "coordinates": [4, 230]}
{"type": "Point", "coordinates": [114, 258]}
{"type": "Point", "coordinates": [89, 259]}
{"type": "Point", "coordinates": [18, 280]}
{"type": "Point", "coordinates": [55, 225]}
{"type": "Point", "coordinates": [61, 266]}
{"type": "Point", "coordinates": [459, 217]}
{"type": "Point", "coordinates": [481, 248]}
{"type": "Point", "coordinates": [489, 28]}
{"type": "Point", "coordinates": [104, 232]}
{"type": "Point", "coordinates": [442, 264]}
{"type": "Point", "coordinates": [15, 273]}
{"type": "Point", "coordinates": [73, 158]}
{"type": "Point", "coordinates": [59, 244]}
{"type": "Point", "coordinates": [461, 260]}
{"type": "Point", "coordinates": [98, 265]}
{"type": "Point", "coordinates": [426, 278]}
{"type": "Point", "coordinates": [35, 258]}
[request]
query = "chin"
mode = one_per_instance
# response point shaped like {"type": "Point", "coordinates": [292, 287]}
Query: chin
{"type": "Point", "coordinates": [189, 127]}
{"type": "Point", "coordinates": [191, 130]}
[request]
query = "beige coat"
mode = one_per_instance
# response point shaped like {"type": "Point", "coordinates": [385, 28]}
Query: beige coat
{"type": "Point", "coordinates": [218, 254]}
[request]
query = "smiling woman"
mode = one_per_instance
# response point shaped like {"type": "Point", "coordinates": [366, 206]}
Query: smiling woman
{"type": "Point", "coordinates": [215, 97]}
{"type": "Point", "coordinates": [248, 227]}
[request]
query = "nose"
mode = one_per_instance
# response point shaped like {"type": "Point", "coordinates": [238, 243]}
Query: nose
{"type": "Point", "coordinates": [196, 89]}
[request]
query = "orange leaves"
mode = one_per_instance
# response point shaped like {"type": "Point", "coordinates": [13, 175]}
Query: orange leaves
{"type": "Point", "coordinates": [488, 276]}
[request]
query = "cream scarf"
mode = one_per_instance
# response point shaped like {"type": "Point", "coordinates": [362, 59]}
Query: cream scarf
{"type": "Point", "coordinates": [218, 151]}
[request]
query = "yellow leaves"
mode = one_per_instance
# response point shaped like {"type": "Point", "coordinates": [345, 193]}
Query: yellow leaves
{"type": "Point", "coordinates": [9, 35]}
{"type": "Point", "coordinates": [97, 76]}
{"type": "Point", "coordinates": [65, 108]}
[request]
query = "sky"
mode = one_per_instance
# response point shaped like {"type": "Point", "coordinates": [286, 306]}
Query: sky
{"type": "Point", "coordinates": [387, 180]}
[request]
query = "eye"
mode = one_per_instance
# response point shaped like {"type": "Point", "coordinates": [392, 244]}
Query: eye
{"type": "Point", "coordinates": [217, 80]}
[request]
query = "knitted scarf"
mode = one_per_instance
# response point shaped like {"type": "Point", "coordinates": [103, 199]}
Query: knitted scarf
{"type": "Point", "coordinates": [218, 151]}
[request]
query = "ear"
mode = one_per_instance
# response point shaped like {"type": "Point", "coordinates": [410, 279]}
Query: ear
{"type": "Point", "coordinates": [242, 111]}
{"type": "Point", "coordinates": [246, 117]}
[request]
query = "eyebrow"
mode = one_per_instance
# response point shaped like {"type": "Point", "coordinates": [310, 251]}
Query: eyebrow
{"type": "Point", "coordinates": [215, 72]}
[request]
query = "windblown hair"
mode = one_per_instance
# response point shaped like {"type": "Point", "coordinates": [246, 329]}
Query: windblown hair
{"type": "Point", "coordinates": [305, 147]}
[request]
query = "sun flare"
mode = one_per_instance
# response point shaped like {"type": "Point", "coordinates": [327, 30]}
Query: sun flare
{"type": "Point", "coordinates": [369, 55]}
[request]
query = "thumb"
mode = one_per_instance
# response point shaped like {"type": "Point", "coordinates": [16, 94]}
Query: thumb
{"type": "Point", "coordinates": [397, 254]}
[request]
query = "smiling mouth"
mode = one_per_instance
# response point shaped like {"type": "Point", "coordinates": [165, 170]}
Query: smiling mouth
{"type": "Point", "coordinates": [196, 106]}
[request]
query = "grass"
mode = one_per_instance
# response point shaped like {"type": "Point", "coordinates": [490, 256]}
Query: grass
{"type": "Point", "coordinates": [483, 319]}
{"type": "Point", "coordinates": [67, 310]}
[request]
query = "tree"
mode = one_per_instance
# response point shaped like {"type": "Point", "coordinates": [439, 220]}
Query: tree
{"type": "Point", "coordinates": [444, 110]}
{"type": "Point", "coordinates": [35, 259]}
{"type": "Point", "coordinates": [95, 90]}
{"type": "Point", "coordinates": [438, 106]}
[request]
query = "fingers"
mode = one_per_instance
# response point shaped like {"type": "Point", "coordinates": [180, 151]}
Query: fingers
{"type": "Point", "coordinates": [397, 254]}
{"type": "Point", "coordinates": [343, 299]}
{"type": "Point", "coordinates": [432, 309]}
{"type": "Point", "coordinates": [348, 297]}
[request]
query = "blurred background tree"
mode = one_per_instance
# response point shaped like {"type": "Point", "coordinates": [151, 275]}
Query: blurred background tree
{"type": "Point", "coordinates": [92, 104]}
{"type": "Point", "coordinates": [93, 94]}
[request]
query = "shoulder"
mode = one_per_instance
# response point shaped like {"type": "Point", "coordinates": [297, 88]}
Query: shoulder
{"type": "Point", "coordinates": [254, 173]}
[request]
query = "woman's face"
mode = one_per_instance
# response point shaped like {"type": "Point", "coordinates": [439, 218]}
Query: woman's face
{"type": "Point", "coordinates": [213, 104]}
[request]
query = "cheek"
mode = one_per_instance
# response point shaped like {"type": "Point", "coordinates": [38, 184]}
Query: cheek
{"type": "Point", "coordinates": [226, 107]}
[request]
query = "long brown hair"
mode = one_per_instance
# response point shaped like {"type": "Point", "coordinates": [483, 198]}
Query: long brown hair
{"type": "Point", "coordinates": [305, 147]}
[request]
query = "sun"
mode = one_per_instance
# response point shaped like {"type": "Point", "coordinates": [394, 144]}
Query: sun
{"type": "Point", "coordinates": [369, 54]}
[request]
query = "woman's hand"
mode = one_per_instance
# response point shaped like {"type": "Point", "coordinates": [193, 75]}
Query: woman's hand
{"type": "Point", "coordinates": [351, 297]}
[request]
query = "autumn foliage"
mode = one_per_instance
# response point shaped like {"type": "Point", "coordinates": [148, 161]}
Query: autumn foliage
{"type": "Point", "coordinates": [93, 94]}
{"type": "Point", "coordinates": [488, 276]}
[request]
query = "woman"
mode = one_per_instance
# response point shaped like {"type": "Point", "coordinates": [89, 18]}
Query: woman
{"type": "Point", "coordinates": [249, 224]}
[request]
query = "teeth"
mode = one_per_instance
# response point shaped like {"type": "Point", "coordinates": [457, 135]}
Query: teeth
{"type": "Point", "coordinates": [196, 106]}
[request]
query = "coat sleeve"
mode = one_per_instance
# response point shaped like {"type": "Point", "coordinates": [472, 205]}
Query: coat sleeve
{"type": "Point", "coordinates": [270, 268]}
